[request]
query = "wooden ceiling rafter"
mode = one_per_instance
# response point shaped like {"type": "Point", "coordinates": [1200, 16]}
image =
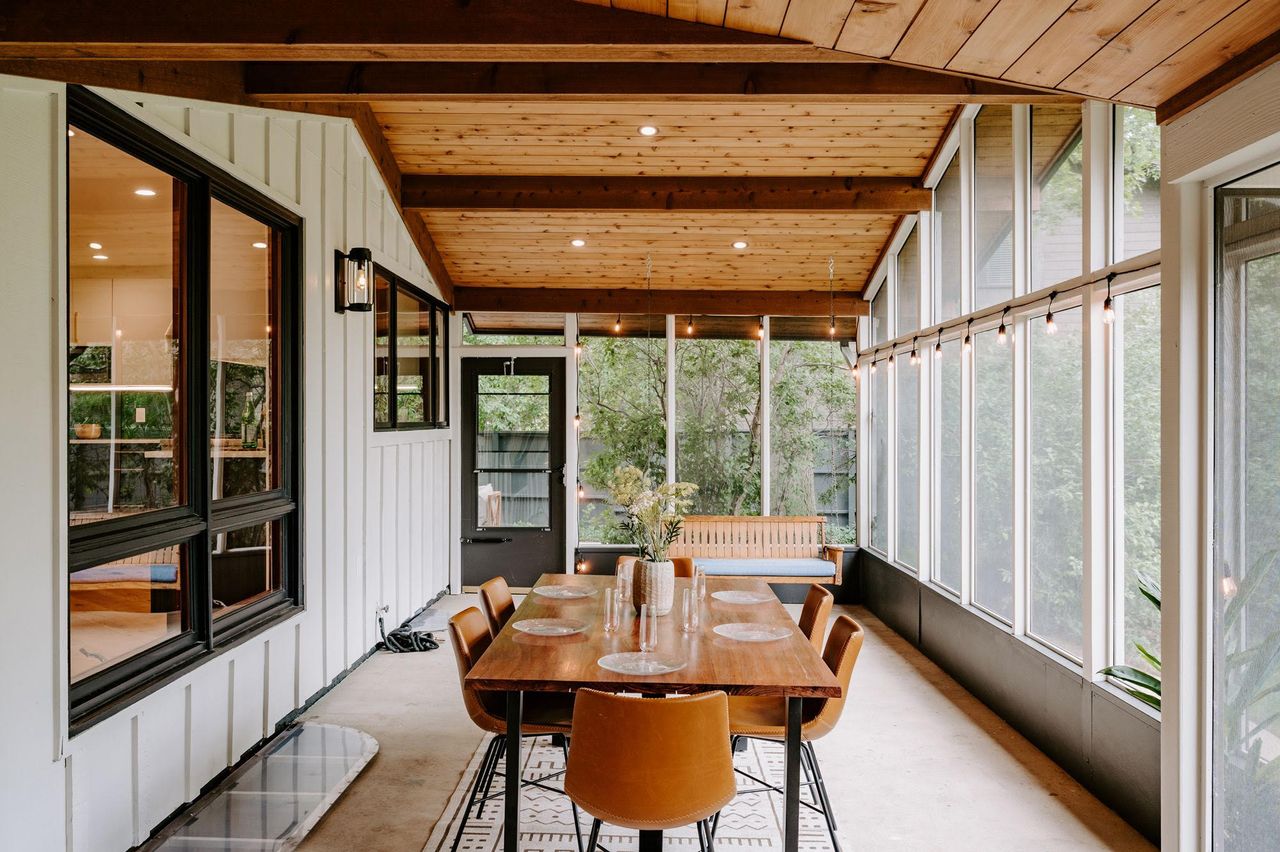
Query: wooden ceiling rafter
{"type": "Point", "coordinates": [793, 303]}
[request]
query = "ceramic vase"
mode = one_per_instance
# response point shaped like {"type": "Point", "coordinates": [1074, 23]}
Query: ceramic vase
{"type": "Point", "coordinates": [654, 583]}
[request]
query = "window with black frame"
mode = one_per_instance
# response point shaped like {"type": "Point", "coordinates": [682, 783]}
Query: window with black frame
{"type": "Point", "coordinates": [410, 352]}
{"type": "Point", "coordinates": [182, 408]}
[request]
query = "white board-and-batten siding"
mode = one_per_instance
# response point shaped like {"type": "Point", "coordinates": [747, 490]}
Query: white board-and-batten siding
{"type": "Point", "coordinates": [374, 506]}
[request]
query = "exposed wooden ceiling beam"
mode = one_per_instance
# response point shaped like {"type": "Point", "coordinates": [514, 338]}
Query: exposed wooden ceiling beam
{"type": "Point", "coordinates": [484, 192]}
{"type": "Point", "coordinates": [793, 303]}
{"type": "Point", "coordinates": [782, 81]}
{"type": "Point", "coordinates": [1240, 67]}
{"type": "Point", "coordinates": [405, 30]}
{"type": "Point", "coordinates": [208, 81]}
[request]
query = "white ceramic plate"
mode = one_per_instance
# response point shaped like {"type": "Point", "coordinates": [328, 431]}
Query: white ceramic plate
{"type": "Point", "coordinates": [735, 596]}
{"type": "Point", "coordinates": [549, 626]}
{"type": "Point", "coordinates": [563, 592]}
{"type": "Point", "coordinates": [638, 663]}
{"type": "Point", "coordinates": [746, 632]}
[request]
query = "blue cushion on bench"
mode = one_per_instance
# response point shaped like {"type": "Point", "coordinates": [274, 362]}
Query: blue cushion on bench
{"type": "Point", "coordinates": [767, 567]}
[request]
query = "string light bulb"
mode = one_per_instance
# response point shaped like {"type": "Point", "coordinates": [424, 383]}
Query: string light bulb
{"type": "Point", "coordinates": [1002, 335]}
{"type": "Point", "coordinates": [617, 324]}
{"type": "Point", "coordinates": [968, 337]}
{"type": "Point", "coordinates": [577, 420]}
{"type": "Point", "coordinates": [873, 366]}
{"type": "Point", "coordinates": [1050, 327]}
{"type": "Point", "coordinates": [577, 346]}
{"type": "Point", "coordinates": [915, 356]}
{"type": "Point", "coordinates": [582, 492]}
{"type": "Point", "coordinates": [760, 330]}
{"type": "Point", "coordinates": [1229, 585]}
{"type": "Point", "coordinates": [1108, 308]}
{"type": "Point", "coordinates": [689, 328]}
{"type": "Point", "coordinates": [890, 360]}
{"type": "Point", "coordinates": [937, 349]}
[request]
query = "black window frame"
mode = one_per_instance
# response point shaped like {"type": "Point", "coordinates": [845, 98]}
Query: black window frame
{"type": "Point", "coordinates": [200, 517]}
{"type": "Point", "coordinates": [436, 398]}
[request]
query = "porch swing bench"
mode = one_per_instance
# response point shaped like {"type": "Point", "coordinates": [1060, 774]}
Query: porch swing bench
{"type": "Point", "coordinates": [776, 549]}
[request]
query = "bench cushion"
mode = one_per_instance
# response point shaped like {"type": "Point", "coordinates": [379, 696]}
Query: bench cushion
{"type": "Point", "coordinates": [766, 567]}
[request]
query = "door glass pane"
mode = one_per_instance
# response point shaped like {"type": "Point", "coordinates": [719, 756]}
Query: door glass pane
{"type": "Point", "coordinates": [992, 206]}
{"type": "Point", "coordinates": [242, 367]}
{"type": "Point", "coordinates": [413, 359]}
{"type": "Point", "coordinates": [946, 242]}
{"type": "Point", "coordinates": [947, 411]}
{"type": "Point", "coordinates": [124, 607]}
{"type": "Point", "coordinates": [513, 451]}
{"type": "Point", "coordinates": [718, 419]}
{"type": "Point", "coordinates": [909, 284]}
{"type": "Point", "coordinates": [126, 269]}
{"type": "Point", "coordinates": [880, 315]}
{"type": "Point", "coordinates": [1057, 194]}
{"type": "Point", "coordinates": [908, 461]}
{"type": "Point", "coordinates": [1140, 181]}
{"type": "Point", "coordinates": [441, 355]}
{"type": "Point", "coordinates": [878, 450]}
{"type": "Point", "coordinates": [246, 566]}
{"type": "Point", "coordinates": [993, 474]}
{"type": "Point", "coordinates": [1246, 604]}
{"type": "Point", "coordinates": [1056, 486]}
{"type": "Point", "coordinates": [381, 349]}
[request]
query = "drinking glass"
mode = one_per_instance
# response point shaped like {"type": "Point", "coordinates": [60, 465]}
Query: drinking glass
{"type": "Point", "coordinates": [689, 611]}
{"type": "Point", "coordinates": [612, 610]}
{"type": "Point", "coordinates": [648, 628]}
{"type": "Point", "coordinates": [700, 584]}
{"type": "Point", "coordinates": [623, 582]}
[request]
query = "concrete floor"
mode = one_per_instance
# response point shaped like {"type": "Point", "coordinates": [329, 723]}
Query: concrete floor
{"type": "Point", "coordinates": [916, 762]}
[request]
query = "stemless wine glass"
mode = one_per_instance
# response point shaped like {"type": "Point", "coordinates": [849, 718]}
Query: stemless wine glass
{"type": "Point", "coordinates": [700, 584]}
{"type": "Point", "coordinates": [648, 628]}
{"type": "Point", "coordinates": [612, 610]}
{"type": "Point", "coordinates": [689, 611]}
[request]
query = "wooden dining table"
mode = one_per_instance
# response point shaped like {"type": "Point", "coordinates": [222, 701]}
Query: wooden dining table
{"type": "Point", "coordinates": [788, 668]}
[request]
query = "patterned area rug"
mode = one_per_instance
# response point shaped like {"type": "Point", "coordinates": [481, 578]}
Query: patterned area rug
{"type": "Point", "coordinates": [753, 821]}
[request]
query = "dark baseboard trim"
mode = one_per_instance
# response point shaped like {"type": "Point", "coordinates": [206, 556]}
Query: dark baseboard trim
{"type": "Point", "coordinates": [1099, 738]}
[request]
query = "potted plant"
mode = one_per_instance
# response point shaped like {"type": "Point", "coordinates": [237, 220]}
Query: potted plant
{"type": "Point", "coordinates": [652, 520]}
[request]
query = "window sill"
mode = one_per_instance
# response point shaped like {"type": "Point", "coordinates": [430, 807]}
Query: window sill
{"type": "Point", "coordinates": [1114, 694]}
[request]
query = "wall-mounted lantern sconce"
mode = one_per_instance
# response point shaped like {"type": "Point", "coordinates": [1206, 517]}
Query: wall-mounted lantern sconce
{"type": "Point", "coordinates": [353, 280]}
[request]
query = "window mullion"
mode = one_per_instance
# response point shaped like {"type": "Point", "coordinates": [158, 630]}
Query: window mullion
{"type": "Point", "coordinates": [198, 453]}
{"type": "Point", "coordinates": [1020, 341]}
{"type": "Point", "coordinates": [1095, 521]}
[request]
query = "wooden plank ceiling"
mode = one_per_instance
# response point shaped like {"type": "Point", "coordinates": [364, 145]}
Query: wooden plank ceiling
{"type": "Point", "coordinates": [690, 249]}
{"type": "Point", "coordinates": [1144, 52]}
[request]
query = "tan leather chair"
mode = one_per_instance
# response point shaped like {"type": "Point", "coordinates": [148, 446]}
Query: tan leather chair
{"type": "Point", "coordinates": [684, 566]}
{"type": "Point", "coordinates": [624, 560]}
{"type": "Point", "coordinates": [761, 717]}
{"type": "Point", "coordinates": [495, 597]}
{"type": "Point", "coordinates": [813, 618]}
{"type": "Point", "coordinates": [650, 764]}
{"type": "Point", "coordinates": [543, 713]}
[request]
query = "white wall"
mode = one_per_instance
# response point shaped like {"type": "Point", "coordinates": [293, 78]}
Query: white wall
{"type": "Point", "coordinates": [374, 507]}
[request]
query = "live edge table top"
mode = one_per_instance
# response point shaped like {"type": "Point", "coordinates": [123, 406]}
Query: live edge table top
{"type": "Point", "coordinates": [785, 667]}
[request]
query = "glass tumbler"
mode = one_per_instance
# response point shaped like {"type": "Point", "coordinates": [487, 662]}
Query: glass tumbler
{"type": "Point", "coordinates": [623, 582]}
{"type": "Point", "coordinates": [700, 584]}
{"type": "Point", "coordinates": [689, 612]}
{"type": "Point", "coordinates": [612, 610]}
{"type": "Point", "coordinates": [648, 628]}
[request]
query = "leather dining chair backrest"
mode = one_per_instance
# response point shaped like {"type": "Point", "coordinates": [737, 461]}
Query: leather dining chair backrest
{"type": "Point", "coordinates": [684, 566]}
{"type": "Point", "coordinates": [495, 597]}
{"type": "Point", "coordinates": [470, 637]}
{"type": "Point", "coordinates": [843, 646]}
{"type": "Point", "coordinates": [814, 616]}
{"type": "Point", "coordinates": [650, 764]}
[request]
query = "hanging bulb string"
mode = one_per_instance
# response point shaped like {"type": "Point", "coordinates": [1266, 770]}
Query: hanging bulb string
{"type": "Point", "coordinates": [831, 289]}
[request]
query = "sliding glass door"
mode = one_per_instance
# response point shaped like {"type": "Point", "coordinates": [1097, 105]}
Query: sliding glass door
{"type": "Point", "coordinates": [1246, 611]}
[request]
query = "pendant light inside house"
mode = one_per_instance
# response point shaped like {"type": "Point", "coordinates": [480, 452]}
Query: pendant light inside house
{"type": "Point", "coordinates": [1001, 334]}
{"type": "Point", "coordinates": [1050, 327]}
{"type": "Point", "coordinates": [1108, 309]}
{"type": "Point", "coordinates": [353, 280]}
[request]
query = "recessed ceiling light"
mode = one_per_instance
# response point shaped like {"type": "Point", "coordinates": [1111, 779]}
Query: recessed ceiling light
{"type": "Point", "coordinates": [70, 132]}
{"type": "Point", "coordinates": [100, 257]}
{"type": "Point", "coordinates": [578, 242]}
{"type": "Point", "coordinates": [739, 244]}
{"type": "Point", "coordinates": [259, 244]}
{"type": "Point", "coordinates": [648, 130]}
{"type": "Point", "coordinates": [95, 246]}
{"type": "Point", "coordinates": [144, 192]}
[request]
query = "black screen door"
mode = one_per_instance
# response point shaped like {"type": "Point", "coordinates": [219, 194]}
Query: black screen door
{"type": "Point", "coordinates": [513, 482]}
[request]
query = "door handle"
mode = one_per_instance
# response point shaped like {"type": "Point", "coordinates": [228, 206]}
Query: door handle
{"type": "Point", "coordinates": [485, 540]}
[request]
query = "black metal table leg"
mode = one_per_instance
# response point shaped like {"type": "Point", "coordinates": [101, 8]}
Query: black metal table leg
{"type": "Point", "coordinates": [650, 841]}
{"type": "Point", "coordinates": [791, 828]}
{"type": "Point", "coordinates": [511, 823]}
